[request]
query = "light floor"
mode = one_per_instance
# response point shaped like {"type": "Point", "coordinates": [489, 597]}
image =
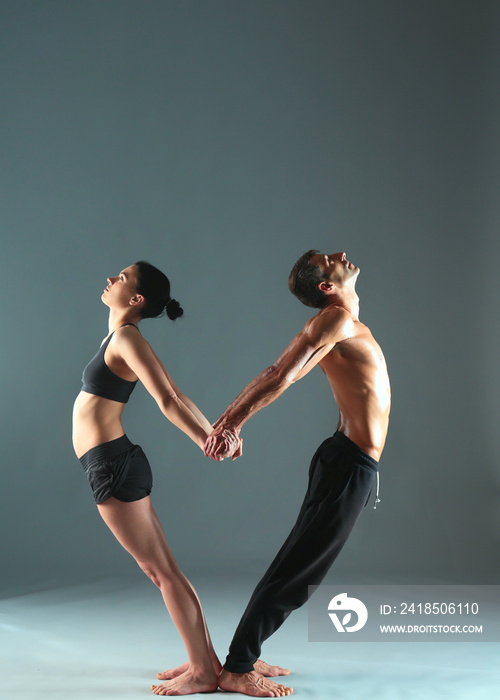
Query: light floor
{"type": "Point", "coordinates": [105, 641]}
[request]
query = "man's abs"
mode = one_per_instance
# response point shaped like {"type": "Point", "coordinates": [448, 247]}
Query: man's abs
{"type": "Point", "coordinates": [357, 373]}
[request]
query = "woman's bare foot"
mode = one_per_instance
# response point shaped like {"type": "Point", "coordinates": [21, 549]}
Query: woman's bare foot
{"type": "Point", "coordinates": [186, 684]}
{"type": "Point", "coordinates": [270, 671]}
{"type": "Point", "coordinates": [252, 683]}
{"type": "Point", "coordinates": [172, 672]}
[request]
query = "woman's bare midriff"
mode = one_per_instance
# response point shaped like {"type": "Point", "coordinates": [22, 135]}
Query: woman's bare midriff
{"type": "Point", "coordinates": [95, 420]}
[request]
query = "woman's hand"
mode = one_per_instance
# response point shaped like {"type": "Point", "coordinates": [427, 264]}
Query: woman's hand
{"type": "Point", "coordinates": [223, 443]}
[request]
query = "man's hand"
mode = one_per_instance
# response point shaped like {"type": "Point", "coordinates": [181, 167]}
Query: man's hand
{"type": "Point", "coordinates": [223, 443]}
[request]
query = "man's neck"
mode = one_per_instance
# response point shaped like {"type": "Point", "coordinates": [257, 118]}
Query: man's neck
{"type": "Point", "coordinates": [348, 300]}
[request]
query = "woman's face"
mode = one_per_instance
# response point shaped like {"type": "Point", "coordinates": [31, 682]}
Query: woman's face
{"type": "Point", "coordinates": [121, 289]}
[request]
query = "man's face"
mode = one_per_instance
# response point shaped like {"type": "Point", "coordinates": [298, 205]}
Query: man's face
{"type": "Point", "coordinates": [336, 267]}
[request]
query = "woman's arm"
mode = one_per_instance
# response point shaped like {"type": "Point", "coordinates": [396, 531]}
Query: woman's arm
{"type": "Point", "coordinates": [203, 421]}
{"type": "Point", "coordinates": [141, 359]}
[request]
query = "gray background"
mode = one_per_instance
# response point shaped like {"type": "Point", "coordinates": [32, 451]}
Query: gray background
{"type": "Point", "coordinates": [220, 140]}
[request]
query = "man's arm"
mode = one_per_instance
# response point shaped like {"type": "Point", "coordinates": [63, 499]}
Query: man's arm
{"type": "Point", "coordinates": [305, 351]}
{"type": "Point", "coordinates": [237, 401]}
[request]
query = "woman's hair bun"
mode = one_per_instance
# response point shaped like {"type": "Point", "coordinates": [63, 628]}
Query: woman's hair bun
{"type": "Point", "coordinates": [155, 288]}
{"type": "Point", "coordinates": [173, 309]}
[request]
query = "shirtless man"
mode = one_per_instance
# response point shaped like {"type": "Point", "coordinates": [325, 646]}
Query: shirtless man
{"type": "Point", "coordinates": [343, 469]}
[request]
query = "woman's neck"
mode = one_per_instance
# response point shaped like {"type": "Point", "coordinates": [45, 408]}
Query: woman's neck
{"type": "Point", "coordinates": [120, 318]}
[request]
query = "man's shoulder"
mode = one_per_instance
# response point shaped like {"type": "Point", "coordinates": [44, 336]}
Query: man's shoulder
{"type": "Point", "coordinates": [331, 322]}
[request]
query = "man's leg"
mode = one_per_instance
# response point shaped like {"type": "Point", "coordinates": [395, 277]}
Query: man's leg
{"type": "Point", "coordinates": [340, 480]}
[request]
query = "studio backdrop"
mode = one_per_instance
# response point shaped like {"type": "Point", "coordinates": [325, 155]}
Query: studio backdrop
{"type": "Point", "coordinates": [220, 140]}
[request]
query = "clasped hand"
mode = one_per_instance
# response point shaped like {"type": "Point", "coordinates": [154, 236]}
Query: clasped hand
{"type": "Point", "coordinates": [223, 443]}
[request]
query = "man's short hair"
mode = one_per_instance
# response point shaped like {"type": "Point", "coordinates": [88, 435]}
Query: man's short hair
{"type": "Point", "coordinates": [304, 279]}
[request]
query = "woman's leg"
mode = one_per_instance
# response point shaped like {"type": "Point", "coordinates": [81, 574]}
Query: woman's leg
{"type": "Point", "coordinates": [137, 527]}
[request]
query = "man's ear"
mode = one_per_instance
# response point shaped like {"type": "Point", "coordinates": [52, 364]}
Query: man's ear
{"type": "Point", "coordinates": [327, 287]}
{"type": "Point", "coordinates": [136, 300]}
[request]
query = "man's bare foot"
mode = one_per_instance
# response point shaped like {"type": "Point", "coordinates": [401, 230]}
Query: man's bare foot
{"type": "Point", "coordinates": [252, 683]}
{"type": "Point", "coordinates": [270, 671]}
{"type": "Point", "coordinates": [186, 684]}
{"type": "Point", "coordinates": [172, 672]}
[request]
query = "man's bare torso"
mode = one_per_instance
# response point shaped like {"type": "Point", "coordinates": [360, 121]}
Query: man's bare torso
{"type": "Point", "coordinates": [357, 373]}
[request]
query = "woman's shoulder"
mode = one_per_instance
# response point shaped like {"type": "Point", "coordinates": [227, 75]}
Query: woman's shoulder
{"type": "Point", "coordinates": [128, 327]}
{"type": "Point", "coordinates": [128, 334]}
{"type": "Point", "coordinates": [128, 338]}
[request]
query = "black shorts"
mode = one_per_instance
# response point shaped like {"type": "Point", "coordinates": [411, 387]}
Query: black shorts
{"type": "Point", "coordinates": [118, 468]}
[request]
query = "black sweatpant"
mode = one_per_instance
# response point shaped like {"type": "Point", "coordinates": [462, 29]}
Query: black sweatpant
{"type": "Point", "coordinates": [341, 477]}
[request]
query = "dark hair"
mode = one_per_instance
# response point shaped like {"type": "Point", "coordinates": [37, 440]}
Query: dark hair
{"type": "Point", "coordinates": [304, 279]}
{"type": "Point", "coordinates": [155, 288]}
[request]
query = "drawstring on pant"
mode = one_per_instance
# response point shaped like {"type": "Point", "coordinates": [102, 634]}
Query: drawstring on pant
{"type": "Point", "coordinates": [377, 499]}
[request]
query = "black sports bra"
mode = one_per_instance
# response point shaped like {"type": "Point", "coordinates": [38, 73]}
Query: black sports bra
{"type": "Point", "coordinates": [98, 379]}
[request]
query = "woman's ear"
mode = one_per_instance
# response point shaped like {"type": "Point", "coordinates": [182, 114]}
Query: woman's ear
{"type": "Point", "coordinates": [136, 300]}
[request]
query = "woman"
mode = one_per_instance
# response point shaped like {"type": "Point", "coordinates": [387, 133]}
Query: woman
{"type": "Point", "coordinates": [119, 472]}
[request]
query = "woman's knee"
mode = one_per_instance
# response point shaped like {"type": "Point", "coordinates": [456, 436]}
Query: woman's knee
{"type": "Point", "coordinates": [161, 575]}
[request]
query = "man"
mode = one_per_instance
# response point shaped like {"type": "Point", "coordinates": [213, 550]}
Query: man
{"type": "Point", "coordinates": [343, 469]}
